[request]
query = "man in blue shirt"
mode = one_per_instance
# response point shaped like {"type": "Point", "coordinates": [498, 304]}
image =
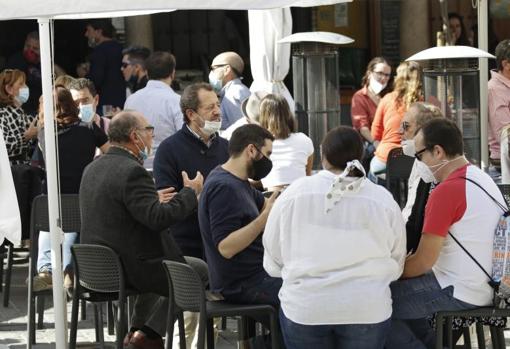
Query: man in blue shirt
{"type": "Point", "coordinates": [225, 78]}
{"type": "Point", "coordinates": [232, 215]}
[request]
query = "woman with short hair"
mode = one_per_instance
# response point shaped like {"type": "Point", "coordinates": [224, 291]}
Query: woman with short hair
{"type": "Point", "coordinates": [337, 240]}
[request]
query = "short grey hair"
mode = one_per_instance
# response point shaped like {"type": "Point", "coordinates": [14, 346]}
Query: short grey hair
{"type": "Point", "coordinates": [425, 113]}
{"type": "Point", "coordinates": [122, 125]}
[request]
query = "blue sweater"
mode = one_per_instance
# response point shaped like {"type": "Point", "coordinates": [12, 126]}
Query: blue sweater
{"type": "Point", "coordinates": [183, 151]}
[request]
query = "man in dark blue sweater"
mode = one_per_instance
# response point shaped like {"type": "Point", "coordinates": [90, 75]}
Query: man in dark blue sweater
{"type": "Point", "coordinates": [196, 147]}
{"type": "Point", "coordinates": [105, 63]}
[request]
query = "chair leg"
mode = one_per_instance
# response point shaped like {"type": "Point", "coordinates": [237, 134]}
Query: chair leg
{"type": "Point", "coordinates": [467, 337]}
{"type": "Point", "coordinates": [129, 310]}
{"type": "Point", "coordinates": [121, 322]}
{"type": "Point", "coordinates": [2, 256]}
{"type": "Point", "coordinates": [8, 274]}
{"type": "Point", "coordinates": [39, 304]}
{"type": "Point", "coordinates": [31, 319]}
{"type": "Point", "coordinates": [495, 338]}
{"type": "Point", "coordinates": [110, 318]}
{"type": "Point", "coordinates": [480, 336]}
{"type": "Point", "coordinates": [439, 331]}
{"type": "Point", "coordinates": [501, 337]}
{"type": "Point", "coordinates": [98, 320]}
{"type": "Point", "coordinates": [202, 324]}
{"type": "Point", "coordinates": [449, 334]}
{"type": "Point", "coordinates": [223, 323]}
{"type": "Point", "coordinates": [83, 310]}
{"type": "Point", "coordinates": [182, 332]}
{"type": "Point", "coordinates": [210, 333]}
{"type": "Point", "coordinates": [74, 320]}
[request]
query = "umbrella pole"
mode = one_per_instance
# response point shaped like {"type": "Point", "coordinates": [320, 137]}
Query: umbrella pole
{"type": "Point", "coordinates": [483, 44]}
{"type": "Point", "coordinates": [53, 187]}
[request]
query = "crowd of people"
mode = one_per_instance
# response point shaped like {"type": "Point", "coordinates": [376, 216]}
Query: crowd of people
{"type": "Point", "coordinates": [231, 183]}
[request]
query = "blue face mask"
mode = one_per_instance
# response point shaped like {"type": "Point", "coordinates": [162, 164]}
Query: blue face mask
{"type": "Point", "coordinates": [215, 83]}
{"type": "Point", "coordinates": [23, 95]}
{"type": "Point", "coordinates": [87, 112]}
{"type": "Point", "coordinates": [146, 152]}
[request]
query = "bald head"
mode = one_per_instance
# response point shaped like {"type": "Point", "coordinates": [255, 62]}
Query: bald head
{"type": "Point", "coordinates": [123, 124]}
{"type": "Point", "coordinates": [231, 59]}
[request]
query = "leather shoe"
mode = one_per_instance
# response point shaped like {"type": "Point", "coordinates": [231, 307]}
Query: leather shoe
{"type": "Point", "coordinates": [140, 341]}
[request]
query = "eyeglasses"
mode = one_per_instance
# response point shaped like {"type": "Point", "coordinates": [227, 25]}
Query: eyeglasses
{"type": "Point", "coordinates": [149, 129]}
{"type": "Point", "coordinates": [214, 67]}
{"type": "Point", "coordinates": [404, 126]}
{"type": "Point", "coordinates": [125, 64]}
{"type": "Point", "coordinates": [418, 154]}
{"type": "Point", "coordinates": [381, 74]}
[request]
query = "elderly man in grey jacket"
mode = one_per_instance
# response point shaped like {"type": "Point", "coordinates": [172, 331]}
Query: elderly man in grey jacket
{"type": "Point", "coordinates": [122, 210]}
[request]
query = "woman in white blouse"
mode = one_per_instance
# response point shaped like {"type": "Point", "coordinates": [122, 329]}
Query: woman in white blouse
{"type": "Point", "coordinates": [292, 155]}
{"type": "Point", "coordinates": [337, 240]}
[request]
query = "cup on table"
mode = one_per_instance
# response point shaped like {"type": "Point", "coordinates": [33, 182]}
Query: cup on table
{"type": "Point", "coordinates": [108, 110]}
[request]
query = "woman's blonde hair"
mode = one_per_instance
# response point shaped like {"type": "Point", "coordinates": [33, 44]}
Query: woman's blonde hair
{"type": "Point", "coordinates": [276, 117]}
{"type": "Point", "coordinates": [9, 77]}
{"type": "Point", "coordinates": [408, 84]}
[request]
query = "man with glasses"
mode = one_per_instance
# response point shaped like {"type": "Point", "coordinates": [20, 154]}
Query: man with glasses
{"type": "Point", "coordinates": [157, 101]}
{"type": "Point", "coordinates": [499, 105]}
{"type": "Point", "coordinates": [439, 275]}
{"type": "Point", "coordinates": [121, 209]}
{"type": "Point", "coordinates": [133, 67]}
{"type": "Point", "coordinates": [195, 148]}
{"type": "Point", "coordinates": [225, 78]}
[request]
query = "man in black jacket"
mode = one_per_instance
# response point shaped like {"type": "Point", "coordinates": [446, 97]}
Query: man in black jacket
{"type": "Point", "coordinates": [122, 210]}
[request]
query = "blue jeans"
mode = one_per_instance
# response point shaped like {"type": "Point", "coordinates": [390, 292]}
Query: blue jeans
{"type": "Point", "coordinates": [413, 301]}
{"type": "Point", "coordinates": [44, 251]}
{"type": "Point", "coordinates": [262, 289]}
{"type": "Point", "coordinates": [352, 336]}
{"type": "Point", "coordinates": [377, 167]}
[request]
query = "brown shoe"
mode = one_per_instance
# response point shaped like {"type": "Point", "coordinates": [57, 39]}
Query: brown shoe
{"type": "Point", "coordinates": [42, 281]}
{"type": "Point", "coordinates": [140, 341]}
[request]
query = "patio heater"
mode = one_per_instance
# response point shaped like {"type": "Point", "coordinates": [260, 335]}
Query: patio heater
{"type": "Point", "coordinates": [315, 69]}
{"type": "Point", "coordinates": [452, 80]}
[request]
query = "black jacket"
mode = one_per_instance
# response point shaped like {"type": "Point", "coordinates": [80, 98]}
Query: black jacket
{"type": "Point", "coordinates": [120, 208]}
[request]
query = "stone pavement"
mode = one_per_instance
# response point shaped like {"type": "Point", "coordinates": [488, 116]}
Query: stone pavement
{"type": "Point", "coordinates": [13, 322]}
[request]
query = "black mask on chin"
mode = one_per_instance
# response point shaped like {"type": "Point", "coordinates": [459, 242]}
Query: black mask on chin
{"type": "Point", "coordinates": [260, 168]}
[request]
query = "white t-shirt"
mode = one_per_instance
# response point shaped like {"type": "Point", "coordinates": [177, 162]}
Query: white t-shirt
{"type": "Point", "coordinates": [228, 132]}
{"type": "Point", "coordinates": [289, 159]}
{"type": "Point", "coordinates": [460, 207]}
{"type": "Point", "coordinates": [336, 266]}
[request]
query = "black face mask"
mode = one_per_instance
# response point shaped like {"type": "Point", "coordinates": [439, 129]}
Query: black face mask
{"type": "Point", "coordinates": [261, 167]}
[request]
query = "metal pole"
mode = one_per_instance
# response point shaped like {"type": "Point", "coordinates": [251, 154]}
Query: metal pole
{"type": "Point", "coordinates": [483, 44]}
{"type": "Point", "coordinates": [53, 187]}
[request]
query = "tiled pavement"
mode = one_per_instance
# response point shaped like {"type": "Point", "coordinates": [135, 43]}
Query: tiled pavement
{"type": "Point", "coordinates": [13, 322]}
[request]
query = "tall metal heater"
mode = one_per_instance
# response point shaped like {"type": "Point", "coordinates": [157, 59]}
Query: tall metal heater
{"type": "Point", "coordinates": [315, 69]}
{"type": "Point", "coordinates": [452, 80]}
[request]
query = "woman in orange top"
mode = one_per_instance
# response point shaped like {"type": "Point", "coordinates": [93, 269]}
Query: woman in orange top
{"type": "Point", "coordinates": [390, 111]}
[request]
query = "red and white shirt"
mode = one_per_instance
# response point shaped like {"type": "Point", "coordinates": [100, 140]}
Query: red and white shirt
{"type": "Point", "coordinates": [461, 207]}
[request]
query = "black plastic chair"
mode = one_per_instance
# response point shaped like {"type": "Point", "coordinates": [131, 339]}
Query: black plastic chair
{"type": "Point", "coordinates": [189, 295]}
{"type": "Point", "coordinates": [71, 222]}
{"type": "Point", "coordinates": [98, 278]}
{"type": "Point", "coordinates": [444, 321]}
{"type": "Point", "coordinates": [398, 170]}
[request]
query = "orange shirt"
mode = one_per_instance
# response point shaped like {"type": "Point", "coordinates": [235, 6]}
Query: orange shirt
{"type": "Point", "coordinates": [386, 125]}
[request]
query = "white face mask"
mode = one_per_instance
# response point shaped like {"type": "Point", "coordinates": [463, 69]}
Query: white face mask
{"type": "Point", "coordinates": [211, 127]}
{"type": "Point", "coordinates": [86, 112]}
{"type": "Point", "coordinates": [408, 147]}
{"type": "Point", "coordinates": [424, 172]}
{"type": "Point", "coordinates": [375, 85]}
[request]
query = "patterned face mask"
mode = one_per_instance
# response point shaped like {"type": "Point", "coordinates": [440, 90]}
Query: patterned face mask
{"type": "Point", "coordinates": [343, 185]}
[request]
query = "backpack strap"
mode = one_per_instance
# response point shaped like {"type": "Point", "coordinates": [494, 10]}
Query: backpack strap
{"type": "Point", "coordinates": [494, 284]}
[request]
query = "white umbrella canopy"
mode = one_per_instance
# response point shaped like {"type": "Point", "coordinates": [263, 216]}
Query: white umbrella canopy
{"type": "Point", "coordinates": [47, 10]}
{"type": "Point", "coordinates": [21, 9]}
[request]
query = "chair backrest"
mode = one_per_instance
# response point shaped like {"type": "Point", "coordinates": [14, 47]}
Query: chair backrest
{"type": "Point", "coordinates": [398, 170]}
{"type": "Point", "coordinates": [39, 220]}
{"type": "Point", "coordinates": [505, 190]}
{"type": "Point", "coordinates": [188, 289]}
{"type": "Point", "coordinates": [97, 268]}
